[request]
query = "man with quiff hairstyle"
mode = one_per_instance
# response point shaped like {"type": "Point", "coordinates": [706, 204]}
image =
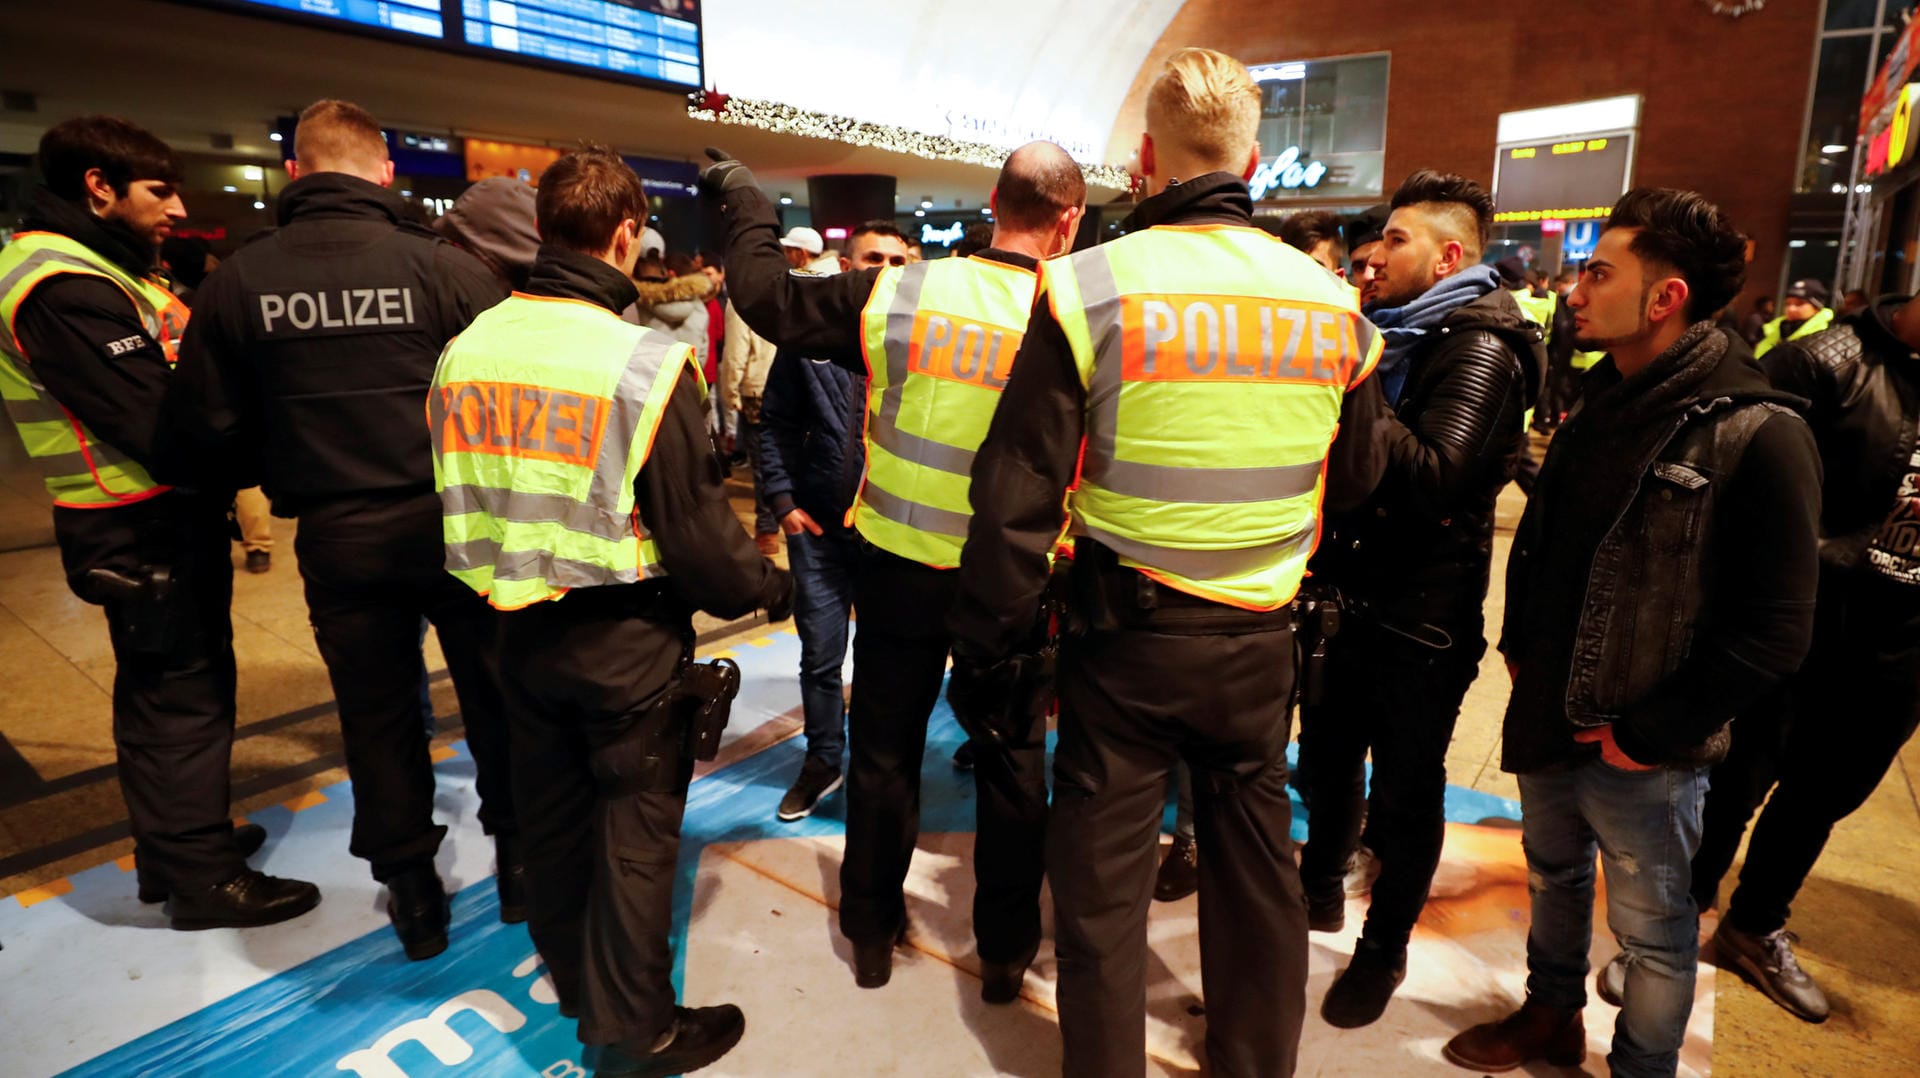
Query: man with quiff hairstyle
{"type": "Point", "coordinates": [1203, 112]}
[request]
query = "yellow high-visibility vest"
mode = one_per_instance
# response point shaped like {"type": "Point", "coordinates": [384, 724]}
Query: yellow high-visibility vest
{"type": "Point", "coordinates": [80, 470]}
{"type": "Point", "coordinates": [1771, 339]}
{"type": "Point", "coordinates": [542, 413]}
{"type": "Point", "coordinates": [939, 339]}
{"type": "Point", "coordinates": [1215, 360]}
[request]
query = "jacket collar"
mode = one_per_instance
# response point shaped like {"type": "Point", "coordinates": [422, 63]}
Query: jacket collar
{"type": "Point", "coordinates": [1010, 258]}
{"type": "Point", "coordinates": [1217, 198]}
{"type": "Point", "coordinates": [1875, 327]}
{"type": "Point", "coordinates": [562, 274]}
{"type": "Point", "coordinates": [47, 212]}
{"type": "Point", "coordinates": [336, 194]}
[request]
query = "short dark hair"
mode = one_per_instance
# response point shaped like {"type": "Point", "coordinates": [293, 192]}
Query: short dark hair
{"type": "Point", "coordinates": [583, 198]}
{"type": "Point", "coordinates": [680, 264]}
{"type": "Point", "coordinates": [1310, 228]}
{"type": "Point", "coordinates": [1683, 232]}
{"type": "Point", "coordinates": [1037, 182]}
{"type": "Point", "coordinates": [978, 237]}
{"type": "Point", "coordinates": [1449, 189]}
{"type": "Point", "coordinates": [712, 259]}
{"type": "Point", "coordinates": [877, 227]}
{"type": "Point", "coordinates": [121, 150]}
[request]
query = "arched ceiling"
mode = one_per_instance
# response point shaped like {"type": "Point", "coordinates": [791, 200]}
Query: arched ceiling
{"type": "Point", "coordinates": [996, 71]}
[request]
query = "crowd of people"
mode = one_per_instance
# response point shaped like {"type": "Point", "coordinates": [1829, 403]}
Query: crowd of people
{"type": "Point", "coordinates": [1153, 491]}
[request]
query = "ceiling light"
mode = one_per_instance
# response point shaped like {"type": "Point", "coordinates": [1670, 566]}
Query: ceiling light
{"type": "Point", "coordinates": [1833, 147]}
{"type": "Point", "coordinates": [919, 213]}
{"type": "Point", "coordinates": [229, 188]}
{"type": "Point", "coordinates": [252, 173]}
{"type": "Point", "coordinates": [986, 211]}
{"type": "Point", "coordinates": [406, 194]}
{"type": "Point", "coordinates": [926, 202]}
{"type": "Point", "coordinates": [1796, 243]}
{"type": "Point", "coordinates": [259, 205]}
{"type": "Point", "coordinates": [275, 136]}
{"type": "Point", "coordinates": [786, 200]}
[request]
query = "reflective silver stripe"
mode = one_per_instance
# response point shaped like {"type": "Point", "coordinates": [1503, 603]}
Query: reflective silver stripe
{"type": "Point", "coordinates": [923, 451]}
{"type": "Point", "coordinates": [533, 565]}
{"type": "Point", "coordinates": [61, 465]}
{"type": "Point", "coordinates": [1208, 486]}
{"type": "Point", "coordinates": [1207, 564]}
{"type": "Point", "coordinates": [883, 428]}
{"type": "Point", "coordinates": [524, 507]}
{"type": "Point", "coordinates": [37, 410]}
{"type": "Point", "coordinates": [1363, 334]}
{"type": "Point", "coordinates": [643, 369]}
{"type": "Point", "coordinates": [40, 258]}
{"type": "Point", "coordinates": [1100, 300]}
{"type": "Point", "coordinates": [914, 515]}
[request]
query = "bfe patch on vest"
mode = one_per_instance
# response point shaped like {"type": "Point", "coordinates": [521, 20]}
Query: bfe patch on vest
{"type": "Point", "coordinates": [1183, 338]}
{"type": "Point", "coordinates": [332, 312]}
{"type": "Point", "coordinates": [511, 420]}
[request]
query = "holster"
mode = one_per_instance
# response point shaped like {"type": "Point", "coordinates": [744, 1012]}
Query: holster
{"type": "Point", "coordinates": [141, 604]}
{"type": "Point", "coordinates": [1316, 620]}
{"type": "Point", "coordinates": [1109, 597]}
{"type": "Point", "coordinates": [655, 754]}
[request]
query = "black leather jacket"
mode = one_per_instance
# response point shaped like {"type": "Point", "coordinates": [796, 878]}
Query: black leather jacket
{"type": "Point", "coordinates": [1863, 388]}
{"type": "Point", "coordinates": [1419, 550]}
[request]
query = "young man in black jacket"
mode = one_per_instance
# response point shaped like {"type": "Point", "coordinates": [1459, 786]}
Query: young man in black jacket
{"type": "Point", "coordinates": [305, 371]}
{"type": "Point", "coordinates": [1662, 582]}
{"type": "Point", "coordinates": [88, 338]}
{"type": "Point", "coordinates": [1831, 737]}
{"type": "Point", "coordinates": [1412, 565]}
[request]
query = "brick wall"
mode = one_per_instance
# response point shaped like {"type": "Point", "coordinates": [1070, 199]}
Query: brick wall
{"type": "Point", "coordinates": [1723, 100]}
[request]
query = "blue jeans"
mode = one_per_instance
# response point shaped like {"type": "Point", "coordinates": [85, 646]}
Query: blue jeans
{"type": "Point", "coordinates": [1646, 825]}
{"type": "Point", "coordinates": [822, 567]}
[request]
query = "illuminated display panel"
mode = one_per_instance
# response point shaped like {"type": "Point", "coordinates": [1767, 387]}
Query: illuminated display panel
{"type": "Point", "coordinates": [623, 37]}
{"type": "Point", "coordinates": [1563, 178]}
{"type": "Point", "coordinates": [402, 16]}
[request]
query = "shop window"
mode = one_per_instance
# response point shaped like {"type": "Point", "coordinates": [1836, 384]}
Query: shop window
{"type": "Point", "coordinates": [1827, 162]}
{"type": "Point", "coordinates": [1851, 14]}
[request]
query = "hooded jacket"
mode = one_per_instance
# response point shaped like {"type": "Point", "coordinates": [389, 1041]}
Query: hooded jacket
{"type": "Point", "coordinates": [1420, 549]}
{"type": "Point", "coordinates": [677, 307]}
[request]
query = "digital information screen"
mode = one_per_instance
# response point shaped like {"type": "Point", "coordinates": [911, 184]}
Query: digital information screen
{"type": "Point", "coordinates": [620, 36]}
{"type": "Point", "coordinates": [655, 41]}
{"type": "Point", "coordinates": [406, 16]}
{"type": "Point", "coordinates": [1561, 179]}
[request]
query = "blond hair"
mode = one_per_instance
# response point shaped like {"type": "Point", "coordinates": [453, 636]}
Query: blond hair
{"type": "Point", "coordinates": [336, 135]}
{"type": "Point", "coordinates": [1207, 104]}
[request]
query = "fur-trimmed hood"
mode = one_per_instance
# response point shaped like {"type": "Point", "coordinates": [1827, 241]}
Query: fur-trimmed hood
{"type": "Point", "coordinates": [673, 301]}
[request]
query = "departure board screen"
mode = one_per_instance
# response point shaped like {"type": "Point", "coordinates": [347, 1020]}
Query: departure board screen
{"type": "Point", "coordinates": [636, 38]}
{"type": "Point", "coordinates": [403, 16]}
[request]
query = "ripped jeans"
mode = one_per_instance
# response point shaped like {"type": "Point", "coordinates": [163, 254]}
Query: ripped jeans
{"type": "Point", "coordinates": [1646, 827]}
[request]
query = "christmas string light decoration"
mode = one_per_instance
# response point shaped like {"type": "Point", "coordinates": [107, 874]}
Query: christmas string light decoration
{"type": "Point", "coordinates": [715, 107]}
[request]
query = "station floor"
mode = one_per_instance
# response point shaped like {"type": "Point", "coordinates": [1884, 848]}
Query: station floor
{"type": "Point", "coordinates": [91, 982]}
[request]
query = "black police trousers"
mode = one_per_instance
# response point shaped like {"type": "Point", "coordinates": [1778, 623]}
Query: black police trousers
{"type": "Point", "coordinates": [900, 650]}
{"type": "Point", "coordinates": [173, 709]}
{"type": "Point", "coordinates": [1401, 699]}
{"type": "Point", "coordinates": [579, 674]}
{"type": "Point", "coordinates": [1828, 739]}
{"type": "Point", "coordinates": [373, 567]}
{"type": "Point", "coordinates": [1132, 703]}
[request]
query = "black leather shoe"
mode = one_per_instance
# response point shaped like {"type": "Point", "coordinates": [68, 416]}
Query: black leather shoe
{"type": "Point", "coordinates": [873, 962]}
{"type": "Point", "coordinates": [248, 837]}
{"type": "Point", "coordinates": [510, 878]}
{"type": "Point", "coordinates": [1326, 913]}
{"type": "Point", "coordinates": [248, 900]}
{"type": "Point", "coordinates": [1359, 995]}
{"type": "Point", "coordinates": [1179, 871]}
{"type": "Point", "coordinates": [700, 1036]}
{"type": "Point", "coordinates": [1000, 982]}
{"type": "Point", "coordinates": [418, 907]}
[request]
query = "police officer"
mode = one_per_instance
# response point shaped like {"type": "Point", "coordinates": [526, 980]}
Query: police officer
{"type": "Point", "coordinates": [89, 341]}
{"type": "Point", "coordinates": [940, 338]}
{"type": "Point", "coordinates": [306, 370]}
{"type": "Point", "coordinates": [583, 496]}
{"type": "Point", "coordinates": [1206, 365]}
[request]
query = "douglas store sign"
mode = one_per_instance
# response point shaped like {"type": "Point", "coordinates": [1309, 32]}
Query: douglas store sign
{"type": "Point", "coordinates": [1324, 123]}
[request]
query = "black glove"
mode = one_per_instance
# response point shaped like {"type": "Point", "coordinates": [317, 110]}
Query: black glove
{"type": "Point", "coordinates": [1001, 705]}
{"type": "Point", "coordinates": [779, 598]}
{"type": "Point", "coordinates": [724, 175]}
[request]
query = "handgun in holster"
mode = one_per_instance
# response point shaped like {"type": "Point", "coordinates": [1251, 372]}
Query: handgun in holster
{"type": "Point", "coordinates": [1316, 613]}
{"type": "Point", "coordinates": [706, 696]}
{"type": "Point", "coordinates": [656, 753]}
{"type": "Point", "coordinates": [140, 602]}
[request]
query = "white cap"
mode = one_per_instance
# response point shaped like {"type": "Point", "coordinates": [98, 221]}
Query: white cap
{"type": "Point", "coordinates": [651, 243]}
{"type": "Point", "coordinates": [804, 238]}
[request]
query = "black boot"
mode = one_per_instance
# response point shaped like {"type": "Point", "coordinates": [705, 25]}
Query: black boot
{"type": "Point", "coordinates": [699, 1037]}
{"type": "Point", "coordinates": [247, 837]}
{"type": "Point", "coordinates": [1179, 871]}
{"type": "Point", "coordinates": [1326, 911]}
{"type": "Point", "coordinates": [510, 878]}
{"type": "Point", "coordinates": [873, 962]}
{"type": "Point", "coordinates": [418, 907]}
{"type": "Point", "coordinates": [1000, 982]}
{"type": "Point", "coordinates": [1359, 995]}
{"type": "Point", "coordinates": [245, 901]}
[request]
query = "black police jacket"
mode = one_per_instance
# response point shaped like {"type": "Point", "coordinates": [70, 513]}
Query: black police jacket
{"type": "Point", "coordinates": [1862, 384]}
{"type": "Point", "coordinates": [306, 363]}
{"type": "Point", "coordinates": [1420, 549]}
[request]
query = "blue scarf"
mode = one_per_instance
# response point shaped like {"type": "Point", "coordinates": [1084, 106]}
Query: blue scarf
{"type": "Point", "coordinates": [1406, 327]}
